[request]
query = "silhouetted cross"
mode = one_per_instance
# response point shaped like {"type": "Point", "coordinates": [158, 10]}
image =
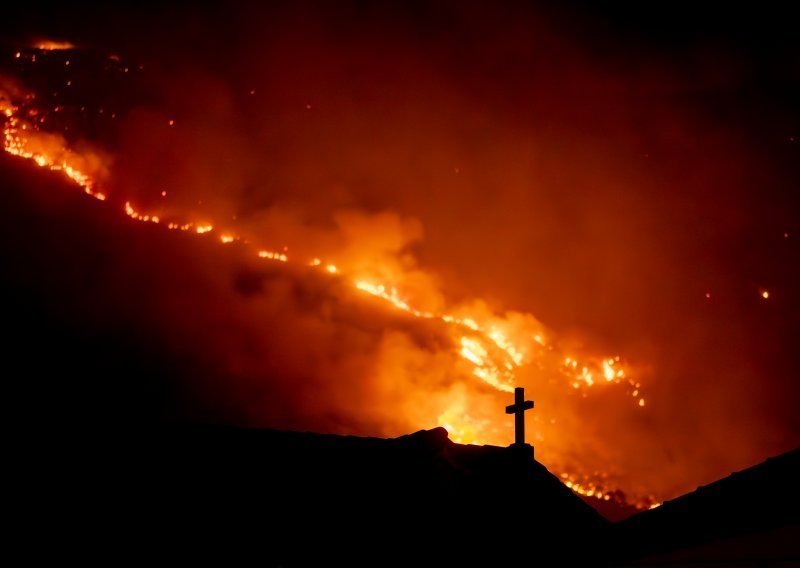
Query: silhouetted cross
{"type": "Point", "coordinates": [518, 410]}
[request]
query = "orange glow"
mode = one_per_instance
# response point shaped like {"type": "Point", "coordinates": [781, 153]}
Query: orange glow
{"type": "Point", "coordinates": [48, 45]}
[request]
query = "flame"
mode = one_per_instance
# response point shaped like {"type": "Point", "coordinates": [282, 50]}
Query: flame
{"type": "Point", "coordinates": [273, 255]}
{"type": "Point", "coordinates": [589, 488]}
{"type": "Point", "coordinates": [133, 214]}
{"type": "Point", "coordinates": [16, 143]}
{"type": "Point", "coordinates": [49, 45]}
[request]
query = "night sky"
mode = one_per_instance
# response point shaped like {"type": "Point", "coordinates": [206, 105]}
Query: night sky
{"type": "Point", "coordinates": [626, 174]}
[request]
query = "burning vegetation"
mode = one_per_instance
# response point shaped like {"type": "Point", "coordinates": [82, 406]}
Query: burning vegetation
{"type": "Point", "coordinates": [494, 346]}
{"type": "Point", "coordinates": [330, 301]}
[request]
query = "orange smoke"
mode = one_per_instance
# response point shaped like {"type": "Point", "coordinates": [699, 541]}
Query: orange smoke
{"type": "Point", "coordinates": [347, 201]}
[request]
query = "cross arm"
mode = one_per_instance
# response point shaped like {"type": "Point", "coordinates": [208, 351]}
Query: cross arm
{"type": "Point", "coordinates": [512, 408]}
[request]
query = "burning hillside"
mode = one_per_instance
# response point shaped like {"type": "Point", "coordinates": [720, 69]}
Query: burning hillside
{"type": "Point", "coordinates": [494, 348]}
{"type": "Point", "coordinates": [371, 253]}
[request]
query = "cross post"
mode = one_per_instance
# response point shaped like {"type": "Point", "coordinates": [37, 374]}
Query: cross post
{"type": "Point", "coordinates": [518, 410]}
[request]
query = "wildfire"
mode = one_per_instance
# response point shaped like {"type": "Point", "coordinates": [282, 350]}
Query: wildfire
{"type": "Point", "coordinates": [494, 349]}
{"type": "Point", "coordinates": [16, 144]}
{"type": "Point", "coordinates": [475, 339]}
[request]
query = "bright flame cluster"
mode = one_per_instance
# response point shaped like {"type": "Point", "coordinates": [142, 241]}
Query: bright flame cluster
{"type": "Point", "coordinates": [589, 488]}
{"type": "Point", "coordinates": [200, 229]}
{"type": "Point", "coordinates": [16, 143]}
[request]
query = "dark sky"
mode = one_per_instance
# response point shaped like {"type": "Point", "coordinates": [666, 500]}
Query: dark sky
{"type": "Point", "coordinates": [602, 166]}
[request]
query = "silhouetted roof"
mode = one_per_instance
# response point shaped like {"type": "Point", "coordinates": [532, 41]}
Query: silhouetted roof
{"type": "Point", "coordinates": [753, 501]}
{"type": "Point", "coordinates": [315, 497]}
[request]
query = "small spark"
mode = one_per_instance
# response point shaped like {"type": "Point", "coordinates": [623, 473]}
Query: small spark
{"type": "Point", "coordinates": [765, 294]}
{"type": "Point", "coordinates": [172, 123]}
{"type": "Point", "coordinates": [708, 295]}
